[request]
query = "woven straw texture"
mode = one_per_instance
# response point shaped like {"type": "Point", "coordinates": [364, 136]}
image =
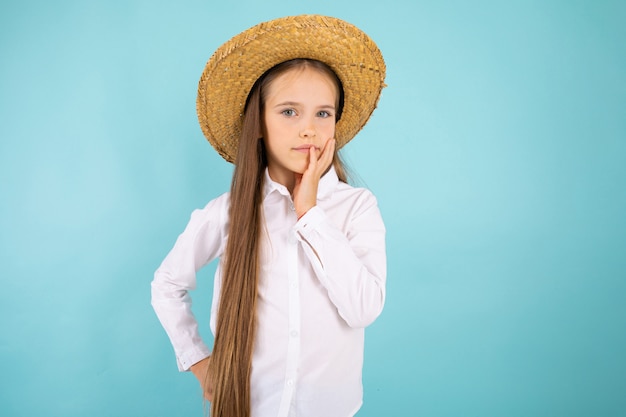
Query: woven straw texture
{"type": "Point", "coordinates": [233, 69]}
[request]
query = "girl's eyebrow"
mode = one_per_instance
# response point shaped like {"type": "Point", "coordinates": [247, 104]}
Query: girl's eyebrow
{"type": "Point", "coordinates": [287, 103]}
{"type": "Point", "coordinates": [294, 104]}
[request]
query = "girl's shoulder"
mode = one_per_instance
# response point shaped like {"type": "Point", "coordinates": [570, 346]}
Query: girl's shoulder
{"type": "Point", "coordinates": [346, 190]}
{"type": "Point", "coordinates": [221, 201]}
{"type": "Point", "coordinates": [214, 210]}
{"type": "Point", "coordinates": [353, 196]}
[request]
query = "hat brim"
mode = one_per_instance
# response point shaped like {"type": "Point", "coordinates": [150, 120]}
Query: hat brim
{"type": "Point", "coordinates": [235, 66]}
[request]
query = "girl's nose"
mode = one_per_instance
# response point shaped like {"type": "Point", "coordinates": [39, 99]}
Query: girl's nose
{"type": "Point", "coordinates": [307, 133]}
{"type": "Point", "coordinates": [308, 130]}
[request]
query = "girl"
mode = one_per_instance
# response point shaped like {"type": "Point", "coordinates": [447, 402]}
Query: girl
{"type": "Point", "coordinates": [302, 263]}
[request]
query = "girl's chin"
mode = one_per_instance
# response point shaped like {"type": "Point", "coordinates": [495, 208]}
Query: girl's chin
{"type": "Point", "coordinates": [286, 174]}
{"type": "Point", "coordinates": [298, 168]}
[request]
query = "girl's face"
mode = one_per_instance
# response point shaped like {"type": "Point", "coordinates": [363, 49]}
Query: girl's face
{"type": "Point", "coordinates": [299, 113]}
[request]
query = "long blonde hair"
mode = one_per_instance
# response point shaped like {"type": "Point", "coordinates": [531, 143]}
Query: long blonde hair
{"type": "Point", "coordinates": [231, 360]}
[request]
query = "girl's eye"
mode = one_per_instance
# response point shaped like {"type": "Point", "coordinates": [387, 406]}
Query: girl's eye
{"type": "Point", "coordinates": [289, 112]}
{"type": "Point", "coordinates": [323, 113]}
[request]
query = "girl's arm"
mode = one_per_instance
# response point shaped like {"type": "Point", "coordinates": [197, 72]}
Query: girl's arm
{"type": "Point", "coordinates": [350, 262]}
{"type": "Point", "coordinates": [201, 241]}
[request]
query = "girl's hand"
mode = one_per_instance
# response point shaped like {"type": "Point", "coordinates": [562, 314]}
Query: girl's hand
{"type": "Point", "coordinates": [201, 372]}
{"type": "Point", "coordinates": [305, 188]}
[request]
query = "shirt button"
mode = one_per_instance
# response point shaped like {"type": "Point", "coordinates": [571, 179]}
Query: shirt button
{"type": "Point", "coordinates": [293, 239]}
{"type": "Point", "coordinates": [289, 382]}
{"type": "Point", "coordinates": [294, 333]}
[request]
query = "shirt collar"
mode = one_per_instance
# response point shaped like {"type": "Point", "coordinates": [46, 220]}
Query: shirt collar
{"type": "Point", "coordinates": [327, 184]}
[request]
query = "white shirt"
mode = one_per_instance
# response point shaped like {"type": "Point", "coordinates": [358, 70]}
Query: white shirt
{"type": "Point", "coordinates": [322, 281]}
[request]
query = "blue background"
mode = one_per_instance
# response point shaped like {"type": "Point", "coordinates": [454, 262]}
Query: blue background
{"type": "Point", "coordinates": [498, 155]}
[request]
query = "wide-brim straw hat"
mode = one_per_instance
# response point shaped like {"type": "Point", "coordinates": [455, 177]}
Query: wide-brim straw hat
{"type": "Point", "coordinates": [236, 65]}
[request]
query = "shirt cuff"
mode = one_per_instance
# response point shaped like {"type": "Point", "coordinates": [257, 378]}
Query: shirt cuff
{"type": "Point", "coordinates": [310, 220]}
{"type": "Point", "coordinates": [191, 358]}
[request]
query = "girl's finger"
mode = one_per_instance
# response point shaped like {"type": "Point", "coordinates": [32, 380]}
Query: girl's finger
{"type": "Point", "coordinates": [327, 147]}
{"type": "Point", "coordinates": [327, 153]}
{"type": "Point", "coordinates": [313, 158]}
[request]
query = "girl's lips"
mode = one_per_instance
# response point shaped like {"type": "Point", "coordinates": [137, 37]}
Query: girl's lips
{"type": "Point", "coordinates": [304, 148]}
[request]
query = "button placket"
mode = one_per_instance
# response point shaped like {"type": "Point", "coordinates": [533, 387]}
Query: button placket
{"type": "Point", "coordinates": [293, 341]}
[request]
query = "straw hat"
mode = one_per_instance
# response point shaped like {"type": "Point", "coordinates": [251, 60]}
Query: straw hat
{"type": "Point", "coordinates": [233, 69]}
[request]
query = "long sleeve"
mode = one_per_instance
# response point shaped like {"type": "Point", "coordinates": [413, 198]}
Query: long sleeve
{"type": "Point", "coordinates": [201, 242]}
{"type": "Point", "coordinates": [348, 257]}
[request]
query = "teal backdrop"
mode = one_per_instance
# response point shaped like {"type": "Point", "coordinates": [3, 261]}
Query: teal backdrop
{"type": "Point", "coordinates": [497, 153]}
